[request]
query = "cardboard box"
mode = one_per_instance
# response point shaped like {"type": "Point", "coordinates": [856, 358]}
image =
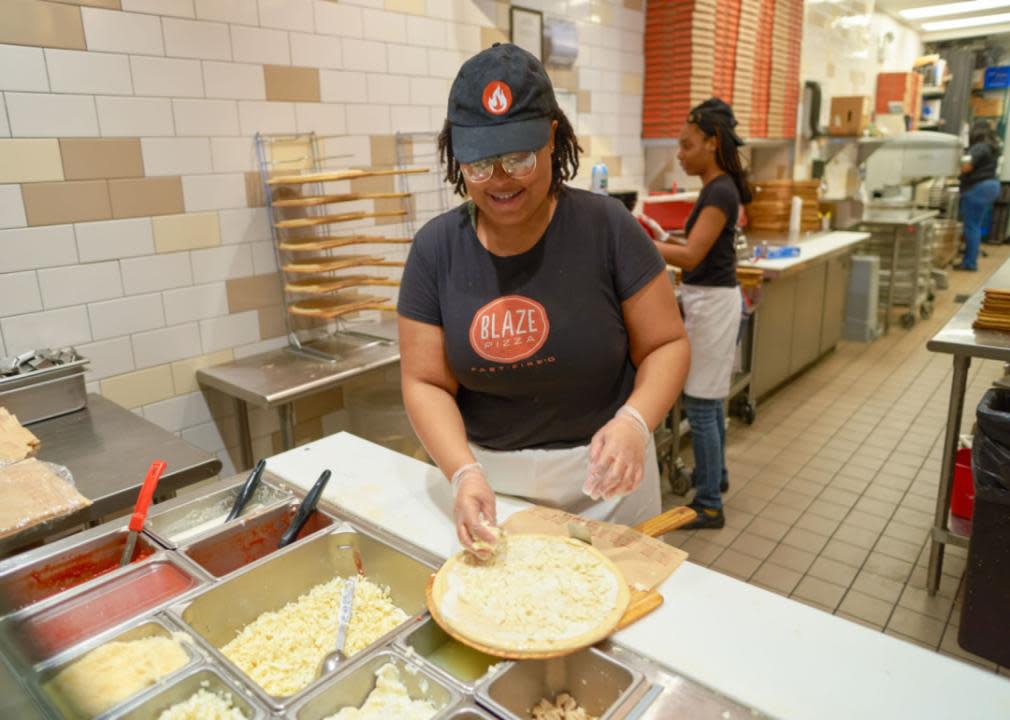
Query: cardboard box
{"type": "Point", "coordinates": [850, 115]}
{"type": "Point", "coordinates": [987, 106]}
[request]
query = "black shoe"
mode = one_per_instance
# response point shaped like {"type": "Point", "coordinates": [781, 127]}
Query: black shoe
{"type": "Point", "coordinates": [708, 518]}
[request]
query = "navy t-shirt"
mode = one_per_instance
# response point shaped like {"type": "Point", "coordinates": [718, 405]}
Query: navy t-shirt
{"type": "Point", "coordinates": [537, 340]}
{"type": "Point", "coordinates": [718, 268]}
{"type": "Point", "coordinates": [983, 165]}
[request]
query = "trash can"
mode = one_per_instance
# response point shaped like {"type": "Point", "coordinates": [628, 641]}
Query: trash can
{"type": "Point", "coordinates": [985, 619]}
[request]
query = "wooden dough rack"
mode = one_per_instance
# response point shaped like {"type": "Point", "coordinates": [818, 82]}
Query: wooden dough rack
{"type": "Point", "coordinates": [994, 314]}
{"type": "Point", "coordinates": [316, 242]}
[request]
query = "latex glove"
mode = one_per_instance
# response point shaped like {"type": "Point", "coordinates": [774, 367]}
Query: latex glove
{"type": "Point", "coordinates": [617, 456]}
{"type": "Point", "coordinates": [653, 228]}
{"type": "Point", "coordinates": [475, 510]}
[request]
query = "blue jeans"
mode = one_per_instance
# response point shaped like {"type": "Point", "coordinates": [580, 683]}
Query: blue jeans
{"type": "Point", "coordinates": [974, 203]}
{"type": "Point", "coordinates": [708, 439]}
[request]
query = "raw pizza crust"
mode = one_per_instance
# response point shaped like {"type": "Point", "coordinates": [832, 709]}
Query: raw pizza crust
{"type": "Point", "coordinates": [16, 443]}
{"type": "Point", "coordinates": [537, 594]}
{"type": "Point", "coordinates": [31, 493]}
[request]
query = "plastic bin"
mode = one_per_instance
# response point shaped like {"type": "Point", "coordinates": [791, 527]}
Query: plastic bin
{"type": "Point", "coordinates": [985, 618]}
{"type": "Point", "coordinates": [962, 498]}
{"type": "Point", "coordinates": [671, 210]}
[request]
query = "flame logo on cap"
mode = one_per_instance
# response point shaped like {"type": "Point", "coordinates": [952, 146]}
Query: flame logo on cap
{"type": "Point", "coordinates": [497, 97]}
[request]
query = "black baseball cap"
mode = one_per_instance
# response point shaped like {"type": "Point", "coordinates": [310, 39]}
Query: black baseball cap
{"type": "Point", "coordinates": [501, 101]}
{"type": "Point", "coordinates": [712, 114]}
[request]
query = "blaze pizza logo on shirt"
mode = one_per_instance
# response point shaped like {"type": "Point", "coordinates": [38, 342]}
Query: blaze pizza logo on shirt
{"type": "Point", "coordinates": [510, 328]}
{"type": "Point", "coordinates": [497, 97]}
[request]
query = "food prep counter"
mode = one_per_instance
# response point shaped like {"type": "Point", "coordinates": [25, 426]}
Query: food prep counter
{"type": "Point", "coordinates": [802, 303]}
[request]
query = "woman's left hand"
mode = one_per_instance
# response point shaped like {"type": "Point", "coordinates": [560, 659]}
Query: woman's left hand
{"type": "Point", "coordinates": [616, 459]}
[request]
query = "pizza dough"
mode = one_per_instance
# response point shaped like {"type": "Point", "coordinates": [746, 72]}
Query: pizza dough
{"type": "Point", "coordinates": [31, 493]}
{"type": "Point", "coordinates": [537, 594]}
{"type": "Point", "coordinates": [113, 672]}
{"type": "Point", "coordinates": [16, 442]}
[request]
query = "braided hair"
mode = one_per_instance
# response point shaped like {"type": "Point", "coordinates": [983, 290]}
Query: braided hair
{"type": "Point", "coordinates": [564, 157]}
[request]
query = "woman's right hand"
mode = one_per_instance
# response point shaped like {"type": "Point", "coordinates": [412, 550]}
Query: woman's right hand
{"type": "Point", "coordinates": [475, 511]}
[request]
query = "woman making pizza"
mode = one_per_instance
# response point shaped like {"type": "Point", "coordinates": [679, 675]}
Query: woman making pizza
{"type": "Point", "coordinates": [540, 340]}
{"type": "Point", "coordinates": [712, 302]}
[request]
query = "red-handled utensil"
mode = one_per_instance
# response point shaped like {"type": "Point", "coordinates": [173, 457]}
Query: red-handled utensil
{"type": "Point", "coordinates": [140, 509]}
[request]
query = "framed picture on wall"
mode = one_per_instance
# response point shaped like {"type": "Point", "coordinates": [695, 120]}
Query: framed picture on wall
{"type": "Point", "coordinates": [527, 30]}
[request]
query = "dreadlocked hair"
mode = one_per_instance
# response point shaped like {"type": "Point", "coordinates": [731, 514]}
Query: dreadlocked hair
{"type": "Point", "coordinates": [727, 156]}
{"type": "Point", "coordinates": [564, 157]}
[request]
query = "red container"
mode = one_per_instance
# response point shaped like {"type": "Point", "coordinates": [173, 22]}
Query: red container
{"type": "Point", "coordinates": [962, 497]}
{"type": "Point", "coordinates": [670, 214]}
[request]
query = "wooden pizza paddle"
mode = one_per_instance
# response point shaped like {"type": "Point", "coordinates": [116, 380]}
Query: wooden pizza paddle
{"type": "Point", "coordinates": [640, 603]}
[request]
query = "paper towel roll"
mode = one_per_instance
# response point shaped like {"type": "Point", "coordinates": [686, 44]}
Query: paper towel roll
{"type": "Point", "coordinates": [795, 215]}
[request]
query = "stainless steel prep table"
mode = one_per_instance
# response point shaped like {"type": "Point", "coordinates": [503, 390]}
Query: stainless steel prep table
{"type": "Point", "coordinates": [959, 339]}
{"type": "Point", "coordinates": [278, 378]}
{"type": "Point", "coordinates": [108, 450]}
{"type": "Point", "coordinates": [900, 223]}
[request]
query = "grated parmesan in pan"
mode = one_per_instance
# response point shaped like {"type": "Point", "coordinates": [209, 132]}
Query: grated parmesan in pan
{"type": "Point", "coordinates": [281, 650]}
{"type": "Point", "coordinates": [204, 705]}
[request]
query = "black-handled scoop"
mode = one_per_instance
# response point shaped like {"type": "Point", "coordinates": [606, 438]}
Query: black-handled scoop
{"type": "Point", "coordinates": [306, 509]}
{"type": "Point", "coordinates": [246, 493]}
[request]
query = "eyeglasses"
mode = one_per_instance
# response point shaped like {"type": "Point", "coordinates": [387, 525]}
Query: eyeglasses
{"type": "Point", "coordinates": [516, 165]}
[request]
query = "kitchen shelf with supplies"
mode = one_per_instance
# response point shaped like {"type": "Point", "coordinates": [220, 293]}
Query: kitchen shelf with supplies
{"type": "Point", "coordinates": [328, 224]}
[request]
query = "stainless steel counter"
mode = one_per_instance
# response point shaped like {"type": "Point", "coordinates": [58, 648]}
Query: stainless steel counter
{"type": "Point", "coordinates": [278, 378]}
{"type": "Point", "coordinates": [877, 215]}
{"type": "Point", "coordinates": [108, 450]}
{"type": "Point", "coordinates": [959, 339]}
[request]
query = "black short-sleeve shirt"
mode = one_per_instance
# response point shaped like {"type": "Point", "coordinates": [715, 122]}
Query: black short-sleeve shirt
{"type": "Point", "coordinates": [537, 341]}
{"type": "Point", "coordinates": [983, 165]}
{"type": "Point", "coordinates": [718, 268]}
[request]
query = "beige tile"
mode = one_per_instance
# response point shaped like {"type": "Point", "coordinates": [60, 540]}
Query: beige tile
{"type": "Point", "coordinates": [937, 606]}
{"type": "Point", "coordinates": [584, 101]}
{"type": "Point", "coordinates": [768, 528]}
{"type": "Point", "coordinates": [253, 292]}
{"type": "Point", "coordinates": [738, 519]}
{"type": "Point", "coordinates": [701, 551]}
{"type": "Point", "coordinates": [917, 626]}
{"type": "Point", "coordinates": [833, 571]}
{"type": "Point", "coordinates": [42, 24]}
{"type": "Point", "coordinates": [817, 524]}
{"type": "Point", "coordinates": [792, 558]}
{"type": "Point", "coordinates": [888, 567]}
{"type": "Point", "coordinates": [775, 577]}
{"type": "Point", "coordinates": [383, 150]}
{"type": "Point", "coordinates": [272, 322]}
{"type": "Point", "coordinates": [723, 537]}
{"type": "Point", "coordinates": [139, 388]}
{"type": "Point", "coordinates": [564, 79]}
{"type": "Point", "coordinates": [747, 503]}
{"type": "Point", "coordinates": [29, 161]}
{"type": "Point", "coordinates": [631, 83]}
{"type": "Point", "coordinates": [906, 638]}
{"type": "Point", "coordinates": [803, 486]}
{"type": "Point", "coordinates": [413, 7]}
{"type": "Point", "coordinates": [95, 158]}
{"type": "Point", "coordinates": [784, 515]}
{"type": "Point", "coordinates": [878, 587]}
{"type": "Point", "coordinates": [858, 620]}
{"type": "Point", "coordinates": [184, 371]}
{"type": "Point", "coordinates": [825, 594]}
{"type": "Point", "coordinates": [884, 494]}
{"type": "Point", "coordinates": [849, 484]}
{"type": "Point", "coordinates": [805, 540]}
{"type": "Point", "coordinates": [860, 519]}
{"type": "Point", "coordinates": [845, 552]}
{"type": "Point", "coordinates": [866, 607]}
{"type": "Point", "coordinates": [793, 500]}
{"type": "Point", "coordinates": [253, 190]}
{"type": "Point", "coordinates": [753, 545]}
{"type": "Point", "coordinates": [146, 196]}
{"type": "Point", "coordinates": [291, 84]}
{"type": "Point", "coordinates": [186, 231]}
{"type": "Point", "coordinates": [893, 547]}
{"type": "Point", "coordinates": [637, 5]}
{"type": "Point", "coordinates": [828, 509]}
{"type": "Point", "coordinates": [315, 406]}
{"type": "Point", "coordinates": [57, 203]}
{"type": "Point", "coordinates": [613, 163]}
{"type": "Point", "coordinates": [856, 536]}
{"type": "Point", "coordinates": [736, 564]}
{"type": "Point", "coordinates": [490, 35]}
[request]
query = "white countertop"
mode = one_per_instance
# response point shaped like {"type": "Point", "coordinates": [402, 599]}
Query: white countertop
{"type": "Point", "coordinates": [783, 658]}
{"type": "Point", "coordinates": [811, 248]}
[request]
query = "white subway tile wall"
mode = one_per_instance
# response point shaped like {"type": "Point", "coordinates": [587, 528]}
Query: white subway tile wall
{"type": "Point", "coordinates": [154, 283]}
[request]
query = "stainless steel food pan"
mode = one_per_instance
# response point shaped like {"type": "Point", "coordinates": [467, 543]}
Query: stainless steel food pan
{"type": "Point", "coordinates": [45, 394]}
{"type": "Point", "coordinates": [183, 523]}
{"type": "Point", "coordinates": [351, 688]}
{"type": "Point", "coordinates": [469, 711]}
{"type": "Point", "coordinates": [153, 627]}
{"type": "Point", "coordinates": [222, 611]}
{"type": "Point", "coordinates": [598, 682]}
{"type": "Point", "coordinates": [426, 638]}
{"type": "Point", "coordinates": [255, 537]}
{"type": "Point", "coordinates": [153, 704]}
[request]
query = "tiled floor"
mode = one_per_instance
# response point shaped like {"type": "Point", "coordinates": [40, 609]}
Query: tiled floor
{"type": "Point", "coordinates": [832, 488]}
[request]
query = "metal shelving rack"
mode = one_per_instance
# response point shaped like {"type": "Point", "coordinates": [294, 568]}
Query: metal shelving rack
{"type": "Point", "coordinates": [330, 337]}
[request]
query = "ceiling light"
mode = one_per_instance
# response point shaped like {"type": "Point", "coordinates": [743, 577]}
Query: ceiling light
{"type": "Point", "coordinates": [968, 22]}
{"type": "Point", "coordinates": [957, 8]}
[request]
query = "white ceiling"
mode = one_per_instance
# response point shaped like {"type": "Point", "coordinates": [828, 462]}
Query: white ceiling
{"type": "Point", "coordinates": [894, 7]}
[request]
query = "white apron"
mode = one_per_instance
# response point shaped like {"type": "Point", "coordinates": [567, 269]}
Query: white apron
{"type": "Point", "coordinates": [554, 478]}
{"type": "Point", "coordinates": [712, 321]}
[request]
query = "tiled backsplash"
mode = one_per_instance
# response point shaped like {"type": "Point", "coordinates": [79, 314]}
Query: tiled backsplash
{"type": "Point", "coordinates": [130, 208]}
